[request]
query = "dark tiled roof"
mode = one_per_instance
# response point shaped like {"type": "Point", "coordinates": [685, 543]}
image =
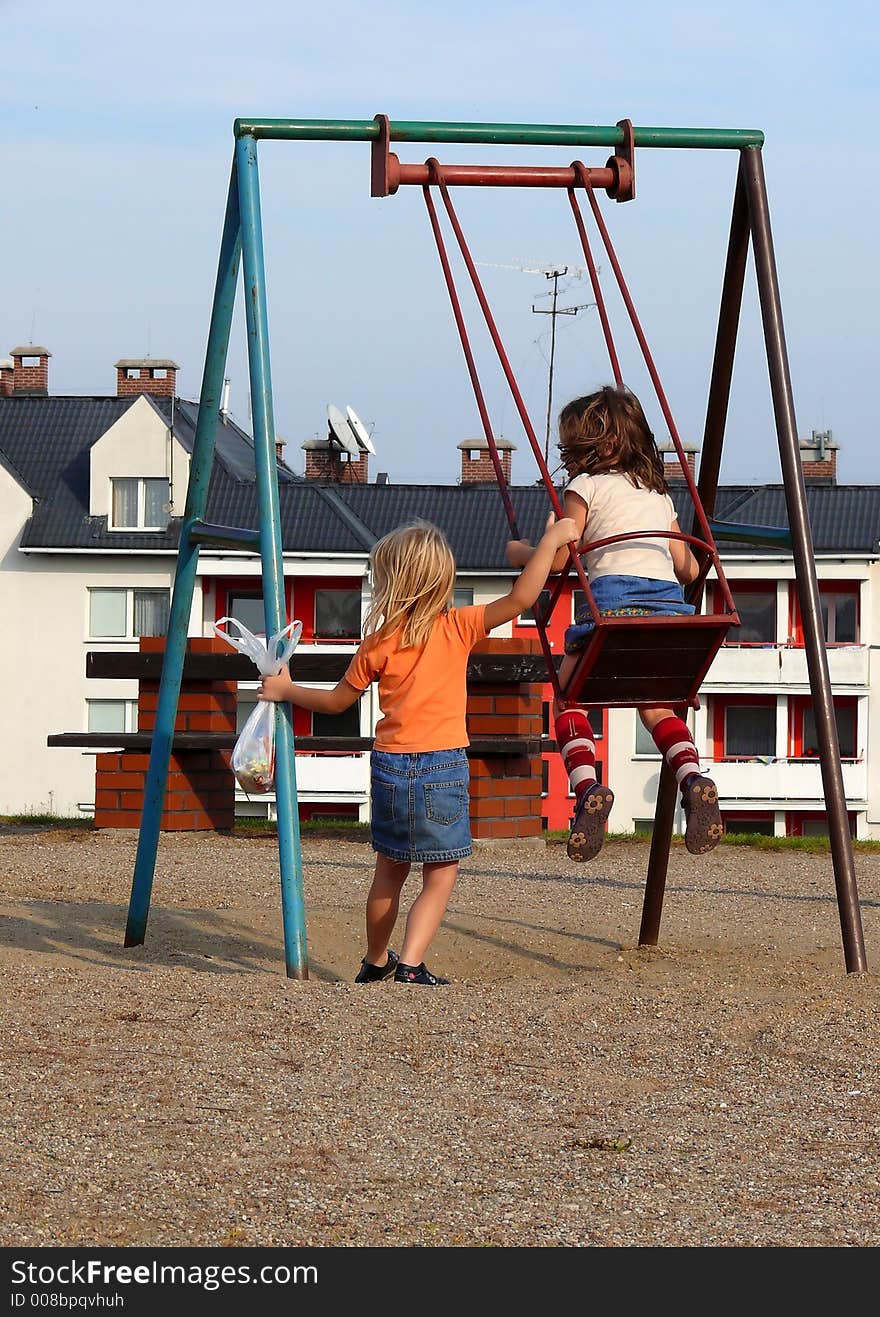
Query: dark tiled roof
{"type": "Point", "coordinates": [45, 444]}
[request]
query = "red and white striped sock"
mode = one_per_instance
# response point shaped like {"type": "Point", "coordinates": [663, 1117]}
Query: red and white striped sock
{"type": "Point", "coordinates": [676, 744]}
{"type": "Point", "coordinates": [574, 736]}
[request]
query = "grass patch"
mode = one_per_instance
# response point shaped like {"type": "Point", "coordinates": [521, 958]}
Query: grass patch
{"type": "Point", "coordinates": [47, 820]}
{"type": "Point", "coordinates": [757, 840]}
{"type": "Point", "coordinates": [350, 828]}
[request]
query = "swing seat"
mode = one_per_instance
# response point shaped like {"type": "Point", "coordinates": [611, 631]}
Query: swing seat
{"type": "Point", "coordinates": [636, 662]}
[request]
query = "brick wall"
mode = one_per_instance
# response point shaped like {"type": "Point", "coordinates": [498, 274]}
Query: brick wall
{"type": "Point", "coordinates": [672, 467]}
{"type": "Point", "coordinates": [146, 381]}
{"type": "Point", "coordinates": [200, 794]}
{"type": "Point", "coordinates": [30, 379]}
{"type": "Point", "coordinates": [478, 469]}
{"type": "Point", "coordinates": [505, 789]}
{"type": "Point", "coordinates": [326, 464]}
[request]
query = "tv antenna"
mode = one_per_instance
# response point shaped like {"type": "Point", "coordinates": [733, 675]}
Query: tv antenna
{"type": "Point", "coordinates": [554, 271]}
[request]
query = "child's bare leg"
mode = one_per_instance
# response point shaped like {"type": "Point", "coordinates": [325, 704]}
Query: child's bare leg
{"type": "Point", "coordinates": [566, 668]}
{"type": "Point", "coordinates": [428, 909]}
{"type": "Point", "coordinates": [383, 902]}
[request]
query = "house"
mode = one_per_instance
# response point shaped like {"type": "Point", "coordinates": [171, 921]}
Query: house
{"type": "Point", "coordinates": [92, 492]}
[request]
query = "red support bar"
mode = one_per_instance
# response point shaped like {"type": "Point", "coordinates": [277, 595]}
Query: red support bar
{"type": "Point", "coordinates": [497, 175]}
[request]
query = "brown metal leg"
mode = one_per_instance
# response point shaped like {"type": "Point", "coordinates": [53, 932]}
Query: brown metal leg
{"type": "Point", "coordinates": [658, 861]}
{"type": "Point", "coordinates": [710, 467]}
{"type": "Point", "coordinates": [805, 569]}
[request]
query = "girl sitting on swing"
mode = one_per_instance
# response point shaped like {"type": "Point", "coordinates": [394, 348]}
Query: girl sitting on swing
{"type": "Point", "coordinates": [616, 485]}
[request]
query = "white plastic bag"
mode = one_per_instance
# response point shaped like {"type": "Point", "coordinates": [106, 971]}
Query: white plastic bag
{"type": "Point", "coordinates": [253, 757]}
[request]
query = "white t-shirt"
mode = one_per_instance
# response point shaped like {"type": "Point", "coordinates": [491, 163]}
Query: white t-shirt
{"type": "Point", "coordinates": [614, 506]}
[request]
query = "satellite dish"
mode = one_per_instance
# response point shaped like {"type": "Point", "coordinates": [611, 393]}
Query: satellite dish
{"type": "Point", "coordinates": [360, 430]}
{"type": "Point", "coordinates": [340, 432]}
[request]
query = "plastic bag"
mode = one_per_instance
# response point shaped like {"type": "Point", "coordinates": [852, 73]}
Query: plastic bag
{"type": "Point", "coordinates": [253, 757]}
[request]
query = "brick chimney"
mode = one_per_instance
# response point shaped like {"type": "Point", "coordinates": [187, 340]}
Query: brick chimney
{"type": "Point", "coordinates": [146, 375]}
{"type": "Point", "coordinates": [7, 377]}
{"type": "Point", "coordinates": [672, 468]}
{"type": "Point", "coordinates": [325, 461]}
{"type": "Point", "coordinates": [476, 463]}
{"type": "Point", "coordinates": [30, 371]}
{"type": "Point", "coordinates": [819, 458]}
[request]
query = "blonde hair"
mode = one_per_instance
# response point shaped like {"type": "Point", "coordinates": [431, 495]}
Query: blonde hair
{"type": "Point", "coordinates": [413, 575]}
{"type": "Point", "coordinates": [608, 431]}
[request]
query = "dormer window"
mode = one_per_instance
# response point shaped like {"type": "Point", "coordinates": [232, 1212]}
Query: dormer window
{"type": "Point", "coordinates": [139, 503]}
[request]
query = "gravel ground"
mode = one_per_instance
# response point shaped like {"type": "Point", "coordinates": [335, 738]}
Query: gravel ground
{"type": "Point", "coordinates": [567, 1089]}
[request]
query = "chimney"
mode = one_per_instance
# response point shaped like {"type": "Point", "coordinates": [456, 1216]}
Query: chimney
{"type": "Point", "coordinates": [7, 377]}
{"type": "Point", "coordinates": [476, 463]}
{"type": "Point", "coordinates": [146, 375]}
{"type": "Point", "coordinates": [30, 371]}
{"type": "Point", "coordinates": [819, 458]}
{"type": "Point", "coordinates": [672, 468]}
{"type": "Point", "coordinates": [325, 461]}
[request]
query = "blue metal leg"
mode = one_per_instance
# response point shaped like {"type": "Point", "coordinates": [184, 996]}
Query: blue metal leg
{"type": "Point", "coordinates": [290, 855]}
{"type": "Point", "coordinates": [187, 560]}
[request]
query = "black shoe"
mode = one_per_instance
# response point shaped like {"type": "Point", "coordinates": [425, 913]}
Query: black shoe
{"type": "Point", "coordinates": [376, 973]}
{"type": "Point", "coordinates": [416, 974]}
{"type": "Point", "coordinates": [704, 828]}
{"type": "Point", "coordinates": [588, 825]}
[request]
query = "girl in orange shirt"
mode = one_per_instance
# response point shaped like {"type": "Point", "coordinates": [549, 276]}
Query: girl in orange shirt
{"type": "Point", "coordinates": [417, 647]}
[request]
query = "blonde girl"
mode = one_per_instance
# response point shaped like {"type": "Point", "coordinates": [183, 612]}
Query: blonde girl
{"type": "Point", "coordinates": [617, 485]}
{"type": "Point", "coordinates": [416, 646]}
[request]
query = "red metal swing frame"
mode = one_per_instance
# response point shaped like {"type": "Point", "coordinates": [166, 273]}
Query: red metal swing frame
{"type": "Point", "coordinates": [628, 661]}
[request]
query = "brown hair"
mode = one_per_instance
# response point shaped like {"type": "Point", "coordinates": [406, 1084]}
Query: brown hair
{"type": "Point", "coordinates": [608, 431]}
{"type": "Point", "coordinates": [413, 574]}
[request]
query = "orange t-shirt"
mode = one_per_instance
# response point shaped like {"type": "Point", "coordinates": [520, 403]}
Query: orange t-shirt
{"type": "Point", "coordinates": [422, 691]}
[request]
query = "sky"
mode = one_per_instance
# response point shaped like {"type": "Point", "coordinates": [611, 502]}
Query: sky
{"type": "Point", "coordinates": [117, 144]}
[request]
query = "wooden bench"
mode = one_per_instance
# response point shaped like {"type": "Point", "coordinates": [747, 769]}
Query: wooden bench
{"type": "Point", "coordinates": [504, 719]}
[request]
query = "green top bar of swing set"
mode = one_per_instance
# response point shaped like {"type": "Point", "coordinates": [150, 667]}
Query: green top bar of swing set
{"type": "Point", "coordinates": [774, 537]}
{"type": "Point", "coordinates": [511, 134]}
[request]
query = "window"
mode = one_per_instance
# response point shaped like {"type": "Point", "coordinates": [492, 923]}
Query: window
{"type": "Point", "coordinates": [462, 596]}
{"type": "Point", "coordinates": [542, 603]}
{"type": "Point", "coordinates": [127, 613]}
{"type": "Point", "coordinates": [760, 824]}
{"type": "Point", "coordinates": [645, 744]}
{"type": "Point", "coordinates": [139, 503]}
{"type": "Point", "coordinates": [757, 611]}
{"type": "Point", "coordinates": [111, 715]}
{"type": "Point", "coordinates": [338, 614]}
{"type": "Point", "coordinates": [545, 777]}
{"type": "Point", "coordinates": [840, 618]}
{"type": "Point", "coordinates": [246, 705]}
{"type": "Point", "coordinates": [158, 373]}
{"type": "Point", "coordinates": [845, 717]}
{"type": "Point", "coordinates": [347, 723]}
{"type": "Point", "coordinates": [247, 608]}
{"type": "Point", "coordinates": [749, 731]}
{"type": "Point", "coordinates": [132, 373]}
{"type": "Point", "coordinates": [643, 827]}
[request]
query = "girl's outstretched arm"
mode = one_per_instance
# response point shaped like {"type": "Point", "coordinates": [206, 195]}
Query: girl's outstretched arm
{"type": "Point", "coordinates": [280, 687]}
{"type": "Point", "coordinates": [531, 581]}
{"type": "Point", "coordinates": [519, 552]}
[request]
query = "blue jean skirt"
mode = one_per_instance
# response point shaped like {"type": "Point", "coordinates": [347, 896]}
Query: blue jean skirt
{"type": "Point", "coordinates": [420, 805]}
{"type": "Point", "coordinates": [625, 596]}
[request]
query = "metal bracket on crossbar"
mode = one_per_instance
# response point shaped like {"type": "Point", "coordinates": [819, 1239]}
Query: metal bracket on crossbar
{"type": "Point", "coordinates": [387, 173]}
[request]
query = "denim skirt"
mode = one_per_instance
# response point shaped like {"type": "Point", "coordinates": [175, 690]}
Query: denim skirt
{"type": "Point", "coordinates": [420, 805]}
{"type": "Point", "coordinates": [625, 596]}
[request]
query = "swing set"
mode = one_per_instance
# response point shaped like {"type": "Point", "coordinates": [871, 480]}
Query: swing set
{"type": "Point", "coordinates": [628, 661]}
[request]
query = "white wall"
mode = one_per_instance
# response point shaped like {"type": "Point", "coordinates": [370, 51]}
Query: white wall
{"type": "Point", "coordinates": [138, 444]}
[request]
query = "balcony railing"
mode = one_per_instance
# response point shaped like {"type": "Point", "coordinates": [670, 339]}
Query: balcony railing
{"type": "Point", "coordinates": [783, 666]}
{"type": "Point", "coordinates": [782, 780]}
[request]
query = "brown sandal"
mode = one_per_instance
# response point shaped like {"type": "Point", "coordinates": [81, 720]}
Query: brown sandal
{"type": "Point", "coordinates": [704, 827]}
{"type": "Point", "coordinates": [588, 825]}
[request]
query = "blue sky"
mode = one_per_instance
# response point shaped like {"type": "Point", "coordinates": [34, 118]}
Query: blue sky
{"type": "Point", "coordinates": [116, 150]}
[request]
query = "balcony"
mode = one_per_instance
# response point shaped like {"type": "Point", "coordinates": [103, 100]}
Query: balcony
{"type": "Point", "coordinates": [782, 782]}
{"type": "Point", "coordinates": [782, 667]}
